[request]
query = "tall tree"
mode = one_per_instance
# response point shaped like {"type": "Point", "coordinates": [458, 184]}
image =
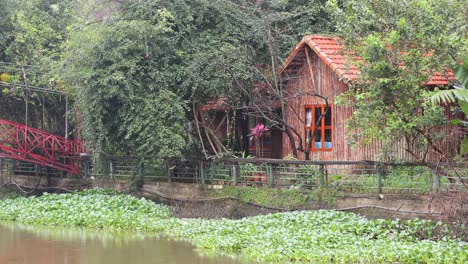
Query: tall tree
{"type": "Point", "coordinates": [137, 67]}
{"type": "Point", "coordinates": [31, 35]}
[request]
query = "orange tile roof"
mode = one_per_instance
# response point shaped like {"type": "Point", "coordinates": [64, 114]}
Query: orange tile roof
{"type": "Point", "coordinates": [218, 105]}
{"type": "Point", "coordinates": [329, 50]}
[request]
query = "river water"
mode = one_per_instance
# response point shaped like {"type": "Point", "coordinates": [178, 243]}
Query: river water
{"type": "Point", "coordinates": [22, 244]}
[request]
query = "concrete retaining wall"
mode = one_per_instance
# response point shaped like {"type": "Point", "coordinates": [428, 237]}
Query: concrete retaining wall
{"type": "Point", "coordinates": [397, 205]}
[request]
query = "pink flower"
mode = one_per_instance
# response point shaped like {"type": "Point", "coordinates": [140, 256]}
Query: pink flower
{"type": "Point", "coordinates": [258, 131]}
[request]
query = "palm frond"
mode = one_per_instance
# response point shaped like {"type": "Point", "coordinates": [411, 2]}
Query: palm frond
{"type": "Point", "coordinates": [443, 96]}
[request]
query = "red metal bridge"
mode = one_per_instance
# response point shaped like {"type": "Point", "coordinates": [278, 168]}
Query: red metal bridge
{"type": "Point", "coordinates": [33, 145]}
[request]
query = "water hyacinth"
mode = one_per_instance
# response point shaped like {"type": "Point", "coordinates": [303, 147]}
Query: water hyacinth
{"type": "Point", "coordinates": [95, 209]}
{"type": "Point", "coordinates": [303, 236]}
{"type": "Point", "coordinates": [323, 236]}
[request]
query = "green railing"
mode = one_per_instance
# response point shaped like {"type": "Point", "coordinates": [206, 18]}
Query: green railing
{"type": "Point", "coordinates": [365, 176]}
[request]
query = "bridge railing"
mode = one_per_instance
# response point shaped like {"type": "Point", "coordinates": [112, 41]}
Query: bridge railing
{"type": "Point", "coordinates": [29, 144]}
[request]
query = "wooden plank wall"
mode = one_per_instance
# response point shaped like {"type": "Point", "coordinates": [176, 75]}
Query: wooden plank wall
{"type": "Point", "coordinates": [325, 82]}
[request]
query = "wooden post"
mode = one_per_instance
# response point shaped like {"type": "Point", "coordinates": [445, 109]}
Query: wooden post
{"type": "Point", "coordinates": [140, 174]}
{"type": "Point", "coordinates": [12, 169]}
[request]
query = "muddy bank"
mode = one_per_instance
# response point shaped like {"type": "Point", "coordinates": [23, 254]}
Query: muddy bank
{"type": "Point", "coordinates": [197, 201]}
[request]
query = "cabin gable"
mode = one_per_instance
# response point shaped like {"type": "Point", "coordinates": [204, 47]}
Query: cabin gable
{"type": "Point", "coordinates": [311, 76]}
{"type": "Point", "coordinates": [317, 65]}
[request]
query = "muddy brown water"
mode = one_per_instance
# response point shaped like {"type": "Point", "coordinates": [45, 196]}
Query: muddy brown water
{"type": "Point", "coordinates": [23, 244]}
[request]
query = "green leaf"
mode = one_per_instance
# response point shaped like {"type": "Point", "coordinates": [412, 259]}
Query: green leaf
{"type": "Point", "coordinates": [455, 121]}
{"type": "Point", "coordinates": [461, 71]}
{"type": "Point", "coordinates": [464, 106]}
{"type": "Point", "coordinates": [464, 147]}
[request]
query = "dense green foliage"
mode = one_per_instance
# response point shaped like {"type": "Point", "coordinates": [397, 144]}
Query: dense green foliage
{"type": "Point", "coordinates": [318, 236]}
{"type": "Point", "coordinates": [31, 38]}
{"type": "Point", "coordinates": [138, 69]}
{"type": "Point", "coordinates": [95, 209]}
{"type": "Point", "coordinates": [401, 45]}
{"type": "Point", "coordinates": [126, 108]}
{"type": "Point", "coordinates": [283, 23]}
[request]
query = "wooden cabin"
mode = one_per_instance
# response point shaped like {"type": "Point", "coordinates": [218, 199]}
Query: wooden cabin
{"type": "Point", "coordinates": [316, 65]}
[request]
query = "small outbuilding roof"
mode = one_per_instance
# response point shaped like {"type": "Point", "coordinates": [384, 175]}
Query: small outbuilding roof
{"type": "Point", "coordinates": [330, 51]}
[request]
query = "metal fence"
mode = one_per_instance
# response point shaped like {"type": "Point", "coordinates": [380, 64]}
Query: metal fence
{"type": "Point", "coordinates": [10, 167]}
{"type": "Point", "coordinates": [365, 176]}
{"type": "Point", "coordinates": [115, 168]}
{"type": "Point", "coordinates": [341, 175]}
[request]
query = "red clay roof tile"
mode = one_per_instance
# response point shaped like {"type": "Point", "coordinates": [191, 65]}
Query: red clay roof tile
{"type": "Point", "coordinates": [329, 50]}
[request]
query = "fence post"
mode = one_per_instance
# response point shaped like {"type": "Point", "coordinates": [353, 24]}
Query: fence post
{"type": "Point", "coordinates": [1, 170]}
{"type": "Point", "coordinates": [435, 181]}
{"type": "Point", "coordinates": [235, 173]}
{"type": "Point", "coordinates": [111, 169]}
{"type": "Point", "coordinates": [140, 174]}
{"type": "Point", "coordinates": [36, 169]}
{"type": "Point", "coordinates": [85, 164]}
{"type": "Point", "coordinates": [141, 170]}
{"type": "Point", "coordinates": [322, 175]}
{"type": "Point", "coordinates": [271, 175]}
{"type": "Point", "coordinates": [12, 169]}
{"type": "Point", "coordinates": [202, 172]}
{"type": "Point", "coordinates": [170, 172]}
{"type": "Point", "coordinates": [379, 177]}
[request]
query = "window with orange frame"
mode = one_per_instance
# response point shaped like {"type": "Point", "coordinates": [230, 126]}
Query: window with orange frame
{"type": "Point", "coordinates": [322, 140]}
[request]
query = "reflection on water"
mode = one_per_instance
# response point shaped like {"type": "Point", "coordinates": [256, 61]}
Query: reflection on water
{"type": "Point", "coordinates": [22, 244]}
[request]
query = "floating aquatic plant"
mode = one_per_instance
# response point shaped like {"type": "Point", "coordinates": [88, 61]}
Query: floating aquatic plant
{"type": "Point", "coordinates": [95, 209]}
{"type": "Point", "coordinates": [325, 236]}
{"type": "Point", "coordinates": [304, 236]}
